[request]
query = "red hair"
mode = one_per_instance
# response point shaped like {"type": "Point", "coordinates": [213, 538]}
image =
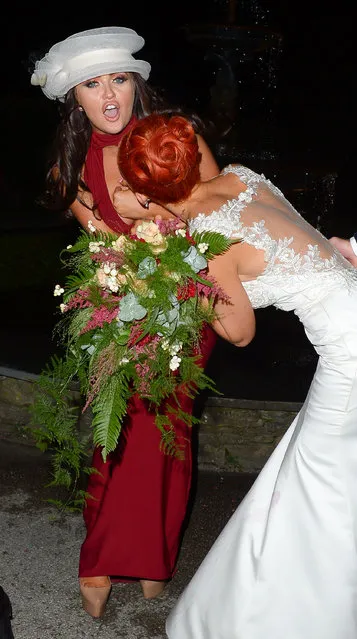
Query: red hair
{"type": "Point", "coordinates": [159, 157]}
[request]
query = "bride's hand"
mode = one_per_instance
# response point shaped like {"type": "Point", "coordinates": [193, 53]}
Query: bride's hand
{"type": "Point", "coordinates": [345, 248]}
{"type": "Point", "coordinates": [126, 204]}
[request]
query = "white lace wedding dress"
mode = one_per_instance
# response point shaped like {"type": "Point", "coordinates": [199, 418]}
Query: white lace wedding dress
{"type": "Point", "coordinates": [285, 565]}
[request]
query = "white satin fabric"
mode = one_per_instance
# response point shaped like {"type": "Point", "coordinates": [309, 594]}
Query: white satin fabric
{"type": "Point", "coordinates": [285, 565]}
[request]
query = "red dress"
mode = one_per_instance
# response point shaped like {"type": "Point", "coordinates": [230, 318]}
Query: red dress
{"type": "Point", "coordinates": [139, 498]}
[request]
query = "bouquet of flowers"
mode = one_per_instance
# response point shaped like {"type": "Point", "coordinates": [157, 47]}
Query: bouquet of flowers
{"type": "Point", "coordinates": [132, 315]}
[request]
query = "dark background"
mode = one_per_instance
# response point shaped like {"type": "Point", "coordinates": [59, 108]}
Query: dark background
{"type": "Point", "coordinates": [299, 130]}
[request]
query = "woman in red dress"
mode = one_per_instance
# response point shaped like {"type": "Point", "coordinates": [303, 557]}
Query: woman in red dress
{"type": "Point", "coordinates": [139, 496]}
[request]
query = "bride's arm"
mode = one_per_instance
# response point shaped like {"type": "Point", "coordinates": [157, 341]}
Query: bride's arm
{"type": "Point", "coordinates": [346, 248]}
{"type": "Point", "coordinates": [236, 319]}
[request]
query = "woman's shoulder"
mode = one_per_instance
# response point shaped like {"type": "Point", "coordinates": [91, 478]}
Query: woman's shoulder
{"type": "Point", "coordinates": [241, 170]}
{"type": "Point", "coordinates": [250, 178]}
{"type": "Point", "coordinates": [208, 165]}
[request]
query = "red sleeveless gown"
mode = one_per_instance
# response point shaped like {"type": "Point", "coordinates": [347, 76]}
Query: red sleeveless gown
{"type": "Point", "coordinates": [139, 497]}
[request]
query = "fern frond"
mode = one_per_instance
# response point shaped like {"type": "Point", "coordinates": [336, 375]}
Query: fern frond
{"type": "Point", "coordinates": [217, 242]}
{"type": "Point", "coordinates": [109, 412]}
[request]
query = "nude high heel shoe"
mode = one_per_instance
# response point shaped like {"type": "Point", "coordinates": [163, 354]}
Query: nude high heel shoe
{"type": "Point", "coordinates": [152, 589]}
{"type": "Point", "coordinates": [95, 592]}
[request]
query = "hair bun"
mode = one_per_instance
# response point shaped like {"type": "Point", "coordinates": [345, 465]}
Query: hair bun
{"type": "Point", "coordinates": [160, 157]}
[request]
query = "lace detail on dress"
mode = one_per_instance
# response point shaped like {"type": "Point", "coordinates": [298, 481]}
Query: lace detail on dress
{"type": "Point", "coordinates": [291, 278]}
{"type": "Point", "coordinates": [299, 283]}
{"type": "Point", "coordinates": [250, 178]}
{"type": "Point", "coordinates": [227, 219]}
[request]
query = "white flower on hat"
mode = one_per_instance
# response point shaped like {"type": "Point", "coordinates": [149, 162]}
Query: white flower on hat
{"type": "Point", "coordinates": [38, 79]}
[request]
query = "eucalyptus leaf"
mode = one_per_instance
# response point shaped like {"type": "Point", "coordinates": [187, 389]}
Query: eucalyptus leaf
{"type": "Point", "coordinates": [147, 267]}
{"type": "Point", "coordinates": [194, 259]}
{"type": "Point", "coordinates": [130, 309]}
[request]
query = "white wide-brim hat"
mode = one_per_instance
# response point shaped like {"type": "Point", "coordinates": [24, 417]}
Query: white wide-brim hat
{"type": "Point", "coordinates": [86, 55]}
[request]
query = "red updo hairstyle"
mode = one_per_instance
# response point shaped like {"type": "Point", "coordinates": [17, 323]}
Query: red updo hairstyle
{"type": "Point", "coordinates": [159, 157]}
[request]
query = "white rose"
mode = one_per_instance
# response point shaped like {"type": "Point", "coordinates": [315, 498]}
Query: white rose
{"type": "Point", "coordinates": [150, 233]}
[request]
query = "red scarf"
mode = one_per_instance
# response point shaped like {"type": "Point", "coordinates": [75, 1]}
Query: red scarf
{"type": "Point", "coordinates": [95, 180]}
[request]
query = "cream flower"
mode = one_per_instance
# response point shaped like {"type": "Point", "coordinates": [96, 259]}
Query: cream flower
{"type": "Point", "coordinates": [149, 231]}
{"type": "Point", "coordinates": [175, 363]}
{"type": "Point", "coordinates": [112, 284]}
{"type": "Point", "coordinates": [110, 278]}
{"type": "Point", "coordinates": [58, 290]}
{"type": "Point", "coordinates": [120, 244]}
{"type": "Point", "coordinates": [175, 348]}
{"type": "Point", "coordinates": [202, 247]}
{"type": "Point", "coordinates": [165, 344]}
{"type": "Point", "coordinates": [94, 247]}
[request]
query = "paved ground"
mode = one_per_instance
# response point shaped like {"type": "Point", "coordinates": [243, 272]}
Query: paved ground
{"type": "Point", "coordinates": [39, 555]}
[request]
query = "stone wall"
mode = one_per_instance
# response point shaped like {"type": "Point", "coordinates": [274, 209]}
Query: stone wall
{"type": "Point", "coordinates": [240, 435]}
{"type": "Point", "coordinates": [233, 435]}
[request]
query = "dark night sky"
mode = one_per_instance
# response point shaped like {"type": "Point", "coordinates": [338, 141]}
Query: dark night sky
{"type": "Point", "coordinates": [318, 40]}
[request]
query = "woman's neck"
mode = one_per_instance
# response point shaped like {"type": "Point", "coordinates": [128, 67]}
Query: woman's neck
{"type": "Point", "coordinates": [190, 207]}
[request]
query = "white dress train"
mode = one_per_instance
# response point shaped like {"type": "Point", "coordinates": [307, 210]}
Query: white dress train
{"type": "Point", "coordinates": [285, 565]}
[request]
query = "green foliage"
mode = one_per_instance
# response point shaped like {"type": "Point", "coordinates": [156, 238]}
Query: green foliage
{"type": "Point", "coordinates": [109, 409]}
{"type": "Point", "coordinates": [132, 317]}
{"type": "Point", "coordinates": [54, 426]}
{"type": "Point", "coordinates": [217, 243]}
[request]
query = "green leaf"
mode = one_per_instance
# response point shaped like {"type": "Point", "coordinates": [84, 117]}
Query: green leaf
{"type": "Point", "coordinates": [109, 410]}
{"type": "Point", "coordinates": [217, 243]}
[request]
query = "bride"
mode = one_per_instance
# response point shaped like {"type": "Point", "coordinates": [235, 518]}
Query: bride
{"type": "Point", "coordinates": [285, 565]}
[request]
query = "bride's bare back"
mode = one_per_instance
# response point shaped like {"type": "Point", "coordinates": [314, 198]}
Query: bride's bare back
{"type": "Point", "coordinates": [251, 208]}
